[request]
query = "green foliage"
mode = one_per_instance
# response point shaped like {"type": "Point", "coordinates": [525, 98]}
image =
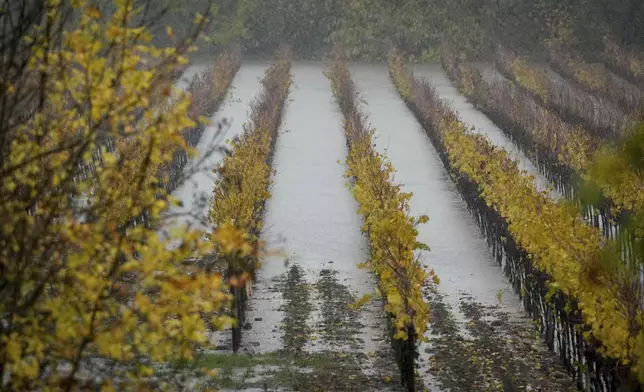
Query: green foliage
{"type": "Point", "coordinates": [262, 26]}
{"type": "Point", "coordinates": [368, 29]}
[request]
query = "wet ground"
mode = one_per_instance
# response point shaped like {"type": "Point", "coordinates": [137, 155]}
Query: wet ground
{"type": "Point", "coordinates": [475, 304]}
{"type": "Point", "coordinates": [323, 354]}
{"type": "Point", "coordinates": [300, 333]}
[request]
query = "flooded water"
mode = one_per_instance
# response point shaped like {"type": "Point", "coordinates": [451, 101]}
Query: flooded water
{"type": "Point", "coordinates": [196, 192]}
{"type": "Point", "coordinates": [298, 315]}
{"type": "Point", "coordinates": [458, 252]}
{"type": "Point", "coordinates": [474, 302]}
{"type": "Point", "coordinates": [312, 217]}
{"type": "Point", "coordinates": [473, 117]}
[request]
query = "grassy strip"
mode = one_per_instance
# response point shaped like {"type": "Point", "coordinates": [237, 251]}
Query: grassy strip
{"type": "Point", "coordinates": [297, 307]}
{"type": "Point", "coordinates": [280, 371]}
{"type": "Point", "coordinates": [552, 254]}
{"type": "Point", "coordinates": [598, 116]}
{"type": "Point", "coordinates": [596, 79]}
{"type": "Point", "coordinates": [392, 232]}
{"type": "Point", "coordinates": [244, 175]}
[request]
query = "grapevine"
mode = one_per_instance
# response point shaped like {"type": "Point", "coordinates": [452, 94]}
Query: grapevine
{"type": "Point", "coordinates": [241, 189]}
{"type": "Point", "coordinates": [392, 231]}
{"type": "Point", "coordinates": [244, 175]}
{"type": "Point", "coordinates": [567, 153]}
{"type": "Point", "coordinates": [551, 234]}
{"type": "Point", "coordinates": [598, 116]}
{"type": "Point", "coordinates": [596, 79]}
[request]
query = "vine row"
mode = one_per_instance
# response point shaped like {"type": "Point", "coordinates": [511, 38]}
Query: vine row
{"type": "Point", "coordinates": [596, 79]}
{"type": "Point", "coordinates": [597, 115]}
{"type": "Point", "coordinates": [586, 312]}
{"type": "Point", "coordinates": [566, 154]}
{"type": "Point", "coordinates": [391, 230]}
{"type": "Point", "coordinates": [623, 62]}
{"type": "Point", "coordinates": [208, 90]}
{"type": "Point", "coordinates": [242, 186]}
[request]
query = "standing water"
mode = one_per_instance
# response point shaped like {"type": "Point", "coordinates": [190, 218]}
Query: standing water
{"type": "Point", "coordinates": [479, 335]}
{"type": "Point", "coordinates": [302, 295]}
{"type": "Point", "coordinates": [300, 333]}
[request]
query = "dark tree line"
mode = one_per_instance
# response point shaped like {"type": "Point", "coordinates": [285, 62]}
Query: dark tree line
{"type": "Point", "coordinates": [367, 28]}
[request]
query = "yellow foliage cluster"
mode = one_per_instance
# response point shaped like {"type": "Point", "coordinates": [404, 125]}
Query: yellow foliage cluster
{"type": "Point", "coordinates": [557, 240]}
{"type": "Point", "coordinates": [574, 147]}
{"type": "Point", "coordinates": [530, 78]}
{"type": "Point", "coordinates": [206, 92]}
{"type": "Point", "coordinates": [618, 180]}
{"type": "Point", "coordinates": [385, 209]}
{"type": "Point", "coordinates": [589, 75]}
{"type": "Point", "coordinates": [79, 284]}
{"type": "Point", "coordinates": [518, 69]}
{"type": "Point", "coordinates": [244, 176]}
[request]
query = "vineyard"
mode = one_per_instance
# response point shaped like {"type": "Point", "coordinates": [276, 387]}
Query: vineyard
{"type": "Point", "coordinates": [217, 205]}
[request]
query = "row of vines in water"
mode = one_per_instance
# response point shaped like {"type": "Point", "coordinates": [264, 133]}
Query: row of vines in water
{"type": "Point", "coordinates": [627, 63]}
{"type": "Point", "coordinates": [391, 230]}
{"type": "Point", "coordinates": [567, 154]}
{"type": "Point", "coordinates": [553, 258]}
{"type": "Point", "coordinates": [208, 90]}
{"type": "Point", "coordinates": [242, 187]}
{"type": "Point", "coordinates": [595, 78]}
{"type": "Point", "coordinates": [598, 116]}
